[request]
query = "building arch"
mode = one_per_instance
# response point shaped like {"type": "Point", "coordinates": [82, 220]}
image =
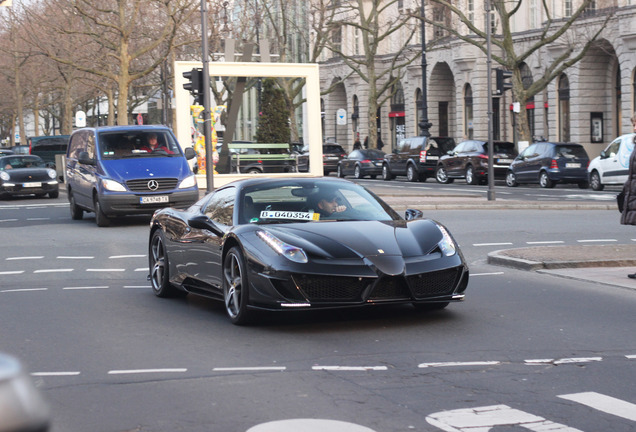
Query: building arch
{"type": "Point", "coordinates": [441, 102]}
{"type": "Point", "coordinates": [397, 114]}
{"type": "Point", "coordinates": [337, 100]}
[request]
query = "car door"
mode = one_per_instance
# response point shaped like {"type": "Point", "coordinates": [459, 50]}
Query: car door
{"type": "Point", "coordinates": [85, 176]}
{"type": "Point", "coordinates": [521, 165]}
{"type": "Point", "coordinates": [401, 156]}
{"type": "Point", "coordinates": [348, 163]}
{"type": "Point", "coordinates": [454, 164]}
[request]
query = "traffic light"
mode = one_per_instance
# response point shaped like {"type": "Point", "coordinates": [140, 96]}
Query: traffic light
{"type": "Point", "coordinates": [502, 84]}
{"type": "Point", "coordinates": [194, 84]}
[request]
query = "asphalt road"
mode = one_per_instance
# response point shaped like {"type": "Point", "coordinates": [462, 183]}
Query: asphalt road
{"type": "Point", "coordinates": [525, 349]}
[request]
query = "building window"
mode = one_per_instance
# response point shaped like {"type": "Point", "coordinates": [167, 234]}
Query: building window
{"type": "Point", "coordinates": [356, 41]}
{"type": "Point", "coordinates": [564, 108]}
{"type": "Point", "coordinates": [441, 18]}
{"type": "Point", "coordinates": [336, 40]}
{"type": "Point", "coordinates": [567, 8]}
{"type": "Point", "coordinates": [468, 112]}
{"type": "Point", "coordinates": [470, 5]}
{"type": "Point", "coordinates": [526, 80]}
{"type": "Point", "coordinates": [533, 14]}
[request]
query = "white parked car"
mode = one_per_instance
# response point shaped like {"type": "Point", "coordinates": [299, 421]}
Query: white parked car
{"type": "Point", "coordinates": [612, 166]}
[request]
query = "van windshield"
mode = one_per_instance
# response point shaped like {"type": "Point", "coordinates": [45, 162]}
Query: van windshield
{"type": "Point", "coordinates": [136, 144]}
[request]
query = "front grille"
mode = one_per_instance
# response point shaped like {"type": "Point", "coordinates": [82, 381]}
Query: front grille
{"type": "Point", "coordinates": [142, 185]}
{"type": "Point", "coordinates": [433, 284]}
{"type": "Point", "coordinates": [390, 288]}
{"type": "Point", "coordinates": [331, 288]}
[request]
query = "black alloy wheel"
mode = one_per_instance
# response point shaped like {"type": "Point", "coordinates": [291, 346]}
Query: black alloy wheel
{"type": "Point", "coordinates": [235, 287]}
{"type": "Point", "coordinates": [158, 266]}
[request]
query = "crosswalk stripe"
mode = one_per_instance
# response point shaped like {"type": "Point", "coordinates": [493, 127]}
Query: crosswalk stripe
{"type": "Point", "coordinates": [607, 404]}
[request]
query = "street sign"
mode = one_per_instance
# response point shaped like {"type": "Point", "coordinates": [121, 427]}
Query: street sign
{"type": "Point", "coordinates": [80, 119]}
{"type": "Point", "coordinates": [140, 119]}
{"type": "Point", "coordinates": [341, 117]}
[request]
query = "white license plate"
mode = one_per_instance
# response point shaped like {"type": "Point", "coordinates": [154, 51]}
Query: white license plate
{"type": "Point", "coordinates": [432, 157]}
{"type": "Point", "coordinates": [506, 161]}
{"type": "Point", "coordinates": [153, 199]}
{"type": "Point", "coordinates": [32, 184]}
{"type": "Point", "coordinates": [572, 165]}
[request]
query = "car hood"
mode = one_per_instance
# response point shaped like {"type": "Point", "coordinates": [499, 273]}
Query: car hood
{"type": "Point", "coordinates": [29, 174]}
{"type": "Point", "coordinates": [386, 244]}
{"type": "Point", "coordinates": [145, 167]}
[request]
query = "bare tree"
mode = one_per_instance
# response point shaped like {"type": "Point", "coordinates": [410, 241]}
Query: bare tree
{"type": "Point", "coordinates": [575, 39]}
{"type": "Point", "coordinates": [377, 22]}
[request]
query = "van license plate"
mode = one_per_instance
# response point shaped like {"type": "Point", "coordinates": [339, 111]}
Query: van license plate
{"type": "Point", "coordinates": [153, 199]}
{"type": "Point", "coordinates": [32, 185]}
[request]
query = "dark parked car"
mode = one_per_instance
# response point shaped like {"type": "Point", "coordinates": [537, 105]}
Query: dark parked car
{"type": "Point", "coordinates": [6, 152]}
{"type": "Point", "coordinates": [416, 157]}
{"type": "Point", "coordinates": [469, 160]}
{"type": "Point", "coordinates": [550, 163]}
{"type": "Point", "coordinates": [268, 244]}
{"type": "Point", "coordinates": [256, 158]}
{"type": "Point", "coordinates": [361, 163]}
{"type": "Point", "coordinates": [20, 149]}
{"type": "Point", "coordinates": [48, 146]}
{"type": "Point", "coordinates": [331, 155]}
{"type": "Point", "coordinates": [27, 175]}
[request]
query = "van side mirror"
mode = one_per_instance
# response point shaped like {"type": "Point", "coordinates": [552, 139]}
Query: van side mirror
{"type": "Point", "coordinates": [603, 155]}
{"type": "Point", "coordinates": [85, 159]}
{"type": "Point", "coordinates": [190, 153]}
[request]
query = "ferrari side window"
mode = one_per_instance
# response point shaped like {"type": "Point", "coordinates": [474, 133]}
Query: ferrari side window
{"type": "Point", "coordinates": [220, 207]}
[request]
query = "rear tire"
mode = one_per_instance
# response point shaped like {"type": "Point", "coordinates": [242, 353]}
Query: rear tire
{"type": "Point", "coordinates": [386, 173]}
{"type": "Point", "coordinates": [159, 267]}
{"type": "Point", "coordinates": [339, 172]}
{"type": "Point", "coordinates": [511, 179]}
{"type": "Point", "coordinates": [544, 180]}
{"type": "Point", "coordinates": [471, 178]}
{"type": "Point", "coordinates": [412, 174]}
{"type": "Point", "coordinates": [357, 173]}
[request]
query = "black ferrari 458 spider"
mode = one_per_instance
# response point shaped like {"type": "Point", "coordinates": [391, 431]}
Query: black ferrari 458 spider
{"type": "Point", "coordinates": [301, 243]}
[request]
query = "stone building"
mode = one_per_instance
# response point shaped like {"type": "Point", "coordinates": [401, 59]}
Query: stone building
{"type": "Point", "coordinates": [590, 103]}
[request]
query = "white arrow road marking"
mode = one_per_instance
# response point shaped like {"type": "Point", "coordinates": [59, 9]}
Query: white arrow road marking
{"type": "Point", "coordinates": [482, 419]}
{"type": "Point", "coordinates": [607, 404]}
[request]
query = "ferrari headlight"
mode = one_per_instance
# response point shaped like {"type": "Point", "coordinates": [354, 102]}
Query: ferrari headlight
{"type": "Point", "coordinates": [447, 245]}
{"type": "Point", "coordinates": [113, 186]}
{"type": "Point", "coordinates": [290, 252]}
{"type": "Point", "coordinates": [188, 182]}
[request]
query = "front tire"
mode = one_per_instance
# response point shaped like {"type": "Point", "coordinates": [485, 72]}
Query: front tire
{"type": "Point", "coordinates": [339, 172]}
{"type": "Point", "coordinates": [100, 217]}
{"type": "Point", "coordinates": [595, 181]}
{"type": "Point", "coordinates": [544, 180]}
{"type": "Point", "coordinates": [357, 173]}
{"type": "Point", "coordinates": [511, 179]}
{"type": "Point", "coordinates": [159, 267]}
{"type": "Point", "coordinates": [235, 287]}
{"type": "Point", "coordinates": [471, 178]}
{"type": "Point", "coordinates": [54, 194]}
{"type": "Point", "coordinates": [442, 176]}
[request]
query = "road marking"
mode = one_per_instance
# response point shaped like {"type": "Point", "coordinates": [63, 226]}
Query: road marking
{"type": "Point", "coordinates": [249, 369]}
{"type": "Point", "coordinates": [545, 242]}
{"type": "Point", "coordinates": [596, 240]}
{"type": "Point", "coordinates": [492, 244]}
{"type": "Point", "coordinates": [631, 356]}
{"type": "Point", "coordinates": [44, 374]}
{"type": "Point", "coordinates": [53, 271]}
{"type": "Point", "coordinates": [85, 288]}
{"type": "Point", "coordinates": [24, 289]}
{"type": "Point", "coordinates": [607, 404]}
{"type": "Point", "coordinates": [24, 258]}
{"type": "Point", "coordinates": [143, 371]}
{"type": "Point", "coordinates": [75, 257]}
{"type": "Point", "coordinates": [106, 270]}
{"type": "Point", "coordinates": [563, 360]}
{"type": "Point", "coordinates": [38, 219]}
{"type": "Point", "coordinates": [126, 256]}
{"type": "Point", "coordinates": [486, 274]}
{"type": "Point", "coordinates": [137, 286]}
{"type": "Point", "coordinates": [8, 220]}
{"type": "Point", "coordinates": [452, 364]}
{"type": "Point", "coordinates": [12, 272]}
{"type": "Point", "coordinates": [140, 269]}
{"type": "Point", "coordinates": [487, 417]}
{"type": "Point", "coordinates": [350, 368]}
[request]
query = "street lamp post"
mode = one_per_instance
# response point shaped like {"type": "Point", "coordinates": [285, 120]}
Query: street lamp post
{"type": "Point", "coordinates": [207, 118]}
{"type": "Point", "coordinates": [424, 124]}
{"type": "Point", "coordinates": [491, 169]}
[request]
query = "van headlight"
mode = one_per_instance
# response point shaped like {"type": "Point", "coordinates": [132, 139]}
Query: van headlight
{"type": "Point", "coordinates": [113, 186]}
{"type": "Point", "coordinates": [188, 182]}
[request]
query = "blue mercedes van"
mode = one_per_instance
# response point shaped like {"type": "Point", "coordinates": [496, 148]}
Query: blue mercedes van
{"type": "Point", "coordinates": [127, 170]}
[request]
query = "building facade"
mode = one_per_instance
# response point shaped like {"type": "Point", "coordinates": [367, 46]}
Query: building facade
{"type": "Point", "coordinates": [590, 103]}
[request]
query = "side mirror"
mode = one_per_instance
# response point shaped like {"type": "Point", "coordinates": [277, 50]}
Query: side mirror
{"type": "Point", "coordinates": [190, 153]}
{"type": "Point", "coordinates": [203, 222]}
{"type": "Point", "coordinates": [603, 155]}
{"type": "Point", "coordinates": [411, 214]}
{"type": "Point", "coordinates": [85, 159]}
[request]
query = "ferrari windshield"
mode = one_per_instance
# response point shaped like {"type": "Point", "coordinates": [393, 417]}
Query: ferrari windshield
{"type": "Point", "coordinates": [310, 200]}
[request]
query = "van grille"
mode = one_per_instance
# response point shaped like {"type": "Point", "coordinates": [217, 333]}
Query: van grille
{"type": "Point", "coordinates": [145, 185]}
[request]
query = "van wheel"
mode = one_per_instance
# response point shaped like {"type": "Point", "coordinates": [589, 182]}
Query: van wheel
{"type": "Point", "coordinates": [386, 173]}
{"type": "Point", "coordinates": [595, 181]}
{"type": "Point", "coordinates": [544, 180]}
{"type": "Point", "coordinates": [442, 176]}
{"type": "Point", "coordinates": [100, 217]}
{"type": "Point", "coordinates": [76, 212]}
{"type": "Point", "coordinates": [411, 174]}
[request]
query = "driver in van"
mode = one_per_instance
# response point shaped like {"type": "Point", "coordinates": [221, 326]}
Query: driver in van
{"type": "Point", "coordinates": [153, 145]}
